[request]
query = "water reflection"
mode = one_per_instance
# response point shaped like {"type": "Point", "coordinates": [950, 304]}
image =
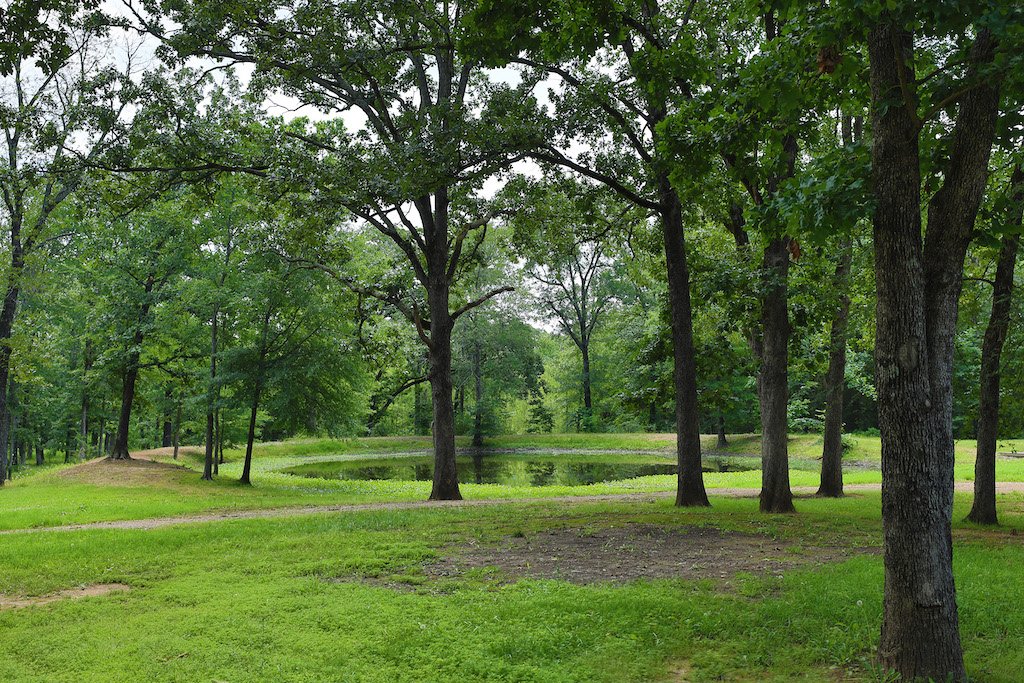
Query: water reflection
{"type": "Point", "coordinates": [510, 471]}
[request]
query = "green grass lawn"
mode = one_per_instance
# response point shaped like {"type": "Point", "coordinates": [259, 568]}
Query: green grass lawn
{"type": "Point", "coordinates": [54, 496]}
{"type": "Point", "coordinates": [344, 597]}
{"type": "Point", "coordinates": [350, 596]}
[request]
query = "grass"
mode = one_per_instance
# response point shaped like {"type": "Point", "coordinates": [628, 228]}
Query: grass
{"type": "Point", "coordinates": [344, 598]}
{"type": "Point", "coordinates": [51, 496]}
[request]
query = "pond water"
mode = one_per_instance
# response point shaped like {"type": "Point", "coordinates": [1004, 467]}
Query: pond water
{"type": "Point", "coordinates": [509, 471]}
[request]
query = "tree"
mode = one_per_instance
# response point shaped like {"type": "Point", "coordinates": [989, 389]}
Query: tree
{"type": "Point", "coordinates": [61, 110]}
{"type": "Point", "coordinates": [564, 235]}
{"type": "Point", "coordinates": [983, 511]}
{"type": "Point", "coordinates": [434, 129]}
{"type": "Point", "coordinates": [918, 286]}
{"type": "Point", "coordinates": [139, 261]}
{"type": "Point", "coordinates": [607, 125]}
{"type": "Point", "coordinates": [284, 312]}
{"type": "Point", "coordinates": [496, 358]}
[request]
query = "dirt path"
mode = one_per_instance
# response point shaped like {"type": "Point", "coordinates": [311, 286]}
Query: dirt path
{"type": "Point", "coordinates": [297, 511]}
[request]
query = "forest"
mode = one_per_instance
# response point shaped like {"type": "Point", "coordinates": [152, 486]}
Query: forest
{"type": "Point", "coordinates": [560, 340]}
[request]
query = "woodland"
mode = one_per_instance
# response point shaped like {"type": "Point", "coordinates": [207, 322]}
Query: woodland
{"type": "Point", "coordinates": [614, 340]}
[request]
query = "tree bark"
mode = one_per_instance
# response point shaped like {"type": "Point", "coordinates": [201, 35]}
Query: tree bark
{"type": "Point", "coordinates": [40, 455]}
{"type": "Point", "coordinates": [773, 379]}
{"type": "Point", "coordinates": [209, 456]}
{"type": "Point", "coordinates": [216, 441]}
{"type": "Point", "coordinates": [918, 289]}
{"type": "Point", "coordinates": [120, 450]}
{"type": "Point", "coordinates": [588, 399]}
{"type": "Point", "coordinates": [983, 511]}
{"type": "Point", "coordinates": [835, 382]}
{"type": "Point", "coordinates": [446, 482]}
{"type": "Point", "coordinates": [722, 441]}
{"type": "Point", "coordinates": [7, 315]}
{"type": "Point", "coordinates": [690, 475]}
{"type": "Point", "coordinates": [251, 435]}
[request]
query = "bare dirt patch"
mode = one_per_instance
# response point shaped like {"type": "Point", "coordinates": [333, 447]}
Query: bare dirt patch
{"type": "Point", "coordinates": [12, 602]}
{"type": "Point", "coordinates": [134, 472]}
{"type": "Point", "coordinates": [637, 551]}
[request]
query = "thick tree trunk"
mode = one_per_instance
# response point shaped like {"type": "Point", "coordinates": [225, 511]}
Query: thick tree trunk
{"type": "Point", "coordinates": [120, 450]}
{"type": "Point", "coordinates": [690, 478]}
{"type": "Point", "coordinates": [918, 292]}
{"type": "Point", "coordinates": [40, 455]}
{"type": "Point", "coordinates": [773, 380]}
{"type": "Point", "coordinates": [835, 383]}
{"type": "Point", "coordinates": [446, 481]}
{"type": "Point", "coordinates": [983, 511]}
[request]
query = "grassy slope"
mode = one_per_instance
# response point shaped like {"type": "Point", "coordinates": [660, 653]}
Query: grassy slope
{"type": "Point", "coordinates": [295, 599]}
{"type": "Point", "coordinates": [50, 497]}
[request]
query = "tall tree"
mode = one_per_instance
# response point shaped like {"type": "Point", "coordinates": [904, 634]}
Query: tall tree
{"type": "Point", "coordinates": [918, 285]}
{"type": "Point", "coordinates": [139, 262]}
{"type": "Point", "coordinates": [576, 292]}
{"type": "Point", "coordinates": [608, 129]}
{"type": "Point", "coordinates": [983, 510]}
{"type": "Point", "coordinates": [61, 109]}
{"type": "Point", "coordinates": [431, 131]}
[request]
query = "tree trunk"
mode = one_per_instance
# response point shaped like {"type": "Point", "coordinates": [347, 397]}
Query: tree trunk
{"type": "Point", "coordinates": [168, 433]}
{"type": "Point", "coordinates": [722, 442]}
{"type": "Point", "coordinates": [257, 391]}
{"type": "Point", "coordinates": [251, 435]}
{"type": "Point", "coordinates": [216, 441]}
{"type": "Point", "coordinates": [772, 380]}
{"type": "Point", "coordinates": [478, 391]}
{"type": "Point", "coordinates": [177, 430]}
{"type": "Point", "coordinates": [690, 477]}
{"type": "Point", "coordinates": [446, 481]}
{"type": "Point", "coordinates": [208, 460]}
{"type": "Point", "coordinates": [120, 450]}
{"type": "Point", "coordinates": [588, 400]}
{"type": "Point", "coordinates": [918, 293]}
{"type": "Point", "coordinates": [7, 314]}
{"type": "Point", "coordinates": [220, 440]}
{"type": "Point", "coordinates": [40, 455]}
{"type": "Point", "coordinates": [983, 511]}
{"type": "Point", "coordinates": [835, 383]}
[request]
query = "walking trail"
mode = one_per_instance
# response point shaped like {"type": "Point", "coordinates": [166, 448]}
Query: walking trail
{"type": "Point", "coordinates": [270, 513]}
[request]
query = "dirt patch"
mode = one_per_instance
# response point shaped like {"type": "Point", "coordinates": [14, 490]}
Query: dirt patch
{"type": "Point", "coordinates": [134, 472]}
{"type": "Point", "coordinates": [637, 551]}
{"type": "Point", "coordinates": [12, 602]}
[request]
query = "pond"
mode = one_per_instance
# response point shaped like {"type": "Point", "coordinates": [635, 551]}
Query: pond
{"type": "Point", "coordinates": [505, 470]}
